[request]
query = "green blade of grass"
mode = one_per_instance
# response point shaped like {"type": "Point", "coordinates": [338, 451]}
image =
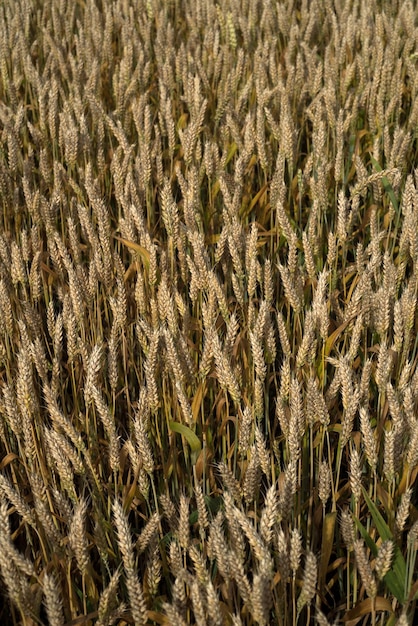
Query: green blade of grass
{"type": "Point", "coordinates": [189, 435]}
{"type": "Point", "coordinates": [396, 577]}
{"type": "Point", "coordinates": [386, 185]}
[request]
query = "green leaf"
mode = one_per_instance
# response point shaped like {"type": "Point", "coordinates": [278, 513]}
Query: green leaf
{"type": "Point", "coordinates": [231, 151]}
{"type": "Point", "coordinates": [369, 541]}
{"type": "Point", "coordinates": [213, 503]}
{"type": "Point", "coordinates": [396, 577]}
{"type": "Point", "coordinates": [188, 434]}
{"type": "Point", "coordinates": [381, 525]}
{"type": "Point", "coordinates": [394, 584]}
{"type": "Point", "coordinates": [386, 184]}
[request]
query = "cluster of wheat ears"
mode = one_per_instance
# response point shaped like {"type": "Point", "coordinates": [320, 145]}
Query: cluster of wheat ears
{"type": "Point", "coordinates": [208, 325]}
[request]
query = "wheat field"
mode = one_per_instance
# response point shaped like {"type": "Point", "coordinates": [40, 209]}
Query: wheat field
{"type": "Point", "coordinates": [208, 324]}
